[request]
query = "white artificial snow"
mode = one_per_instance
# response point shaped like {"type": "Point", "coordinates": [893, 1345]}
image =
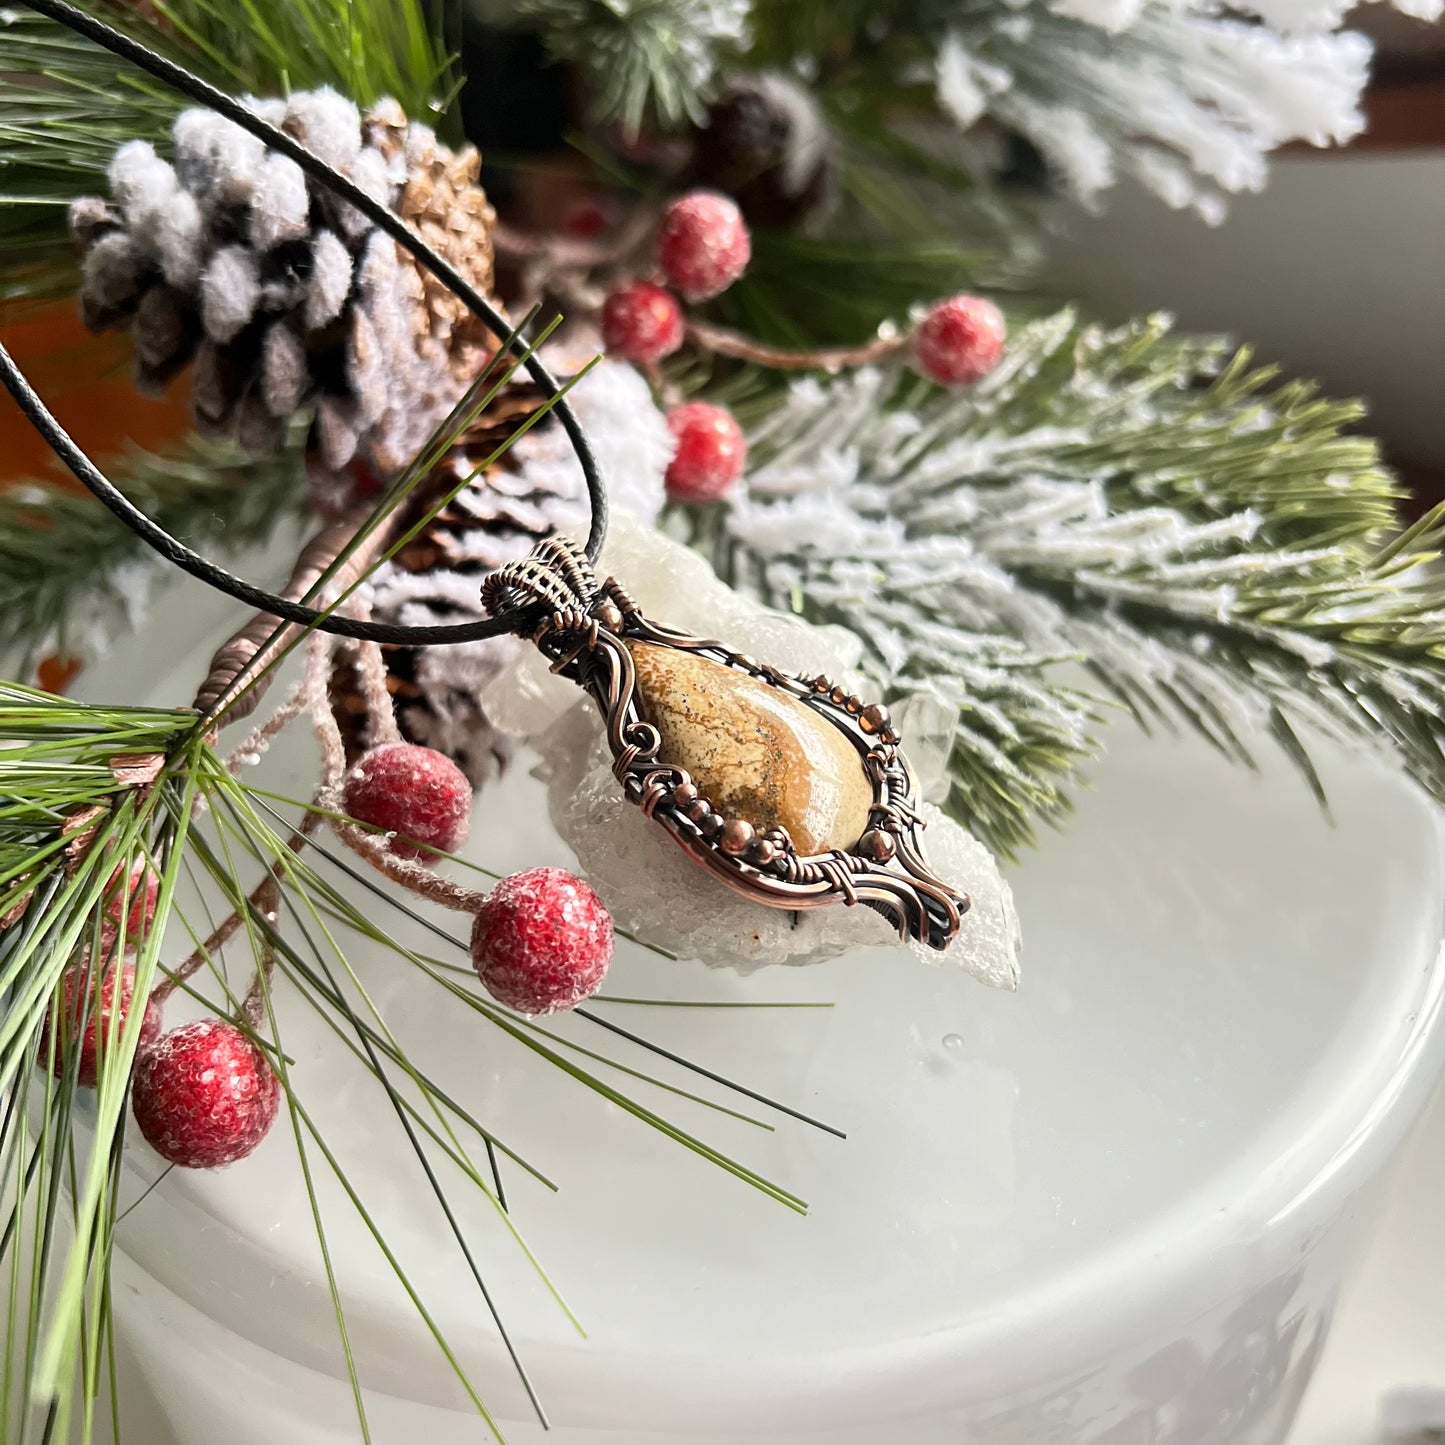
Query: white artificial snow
{"type": "Point", "coordinates": [140, 181]}
{"type": "Point", "coordinates": [327, 124]}
{"type": "Point", "coordinates": [1185, 97]}
{"type": "Point", "coordinates": [539, 488]}
{"type": "Point", "coordinates": [330, 279]}
{"type": "Point", "coordinates": [629, 437]}
{"type": "Point", "coordinates": [175, 232]}
{"type": "Point", "coordinates": [229, 291]}
{"type": "Point", "coordinates": [965, 83]}
{"type": "Point", "coordinates": [280, 203]}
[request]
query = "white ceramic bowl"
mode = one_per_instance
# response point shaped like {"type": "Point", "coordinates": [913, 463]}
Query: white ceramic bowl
{"type": "Point", "coordinates": [1114, 1207]}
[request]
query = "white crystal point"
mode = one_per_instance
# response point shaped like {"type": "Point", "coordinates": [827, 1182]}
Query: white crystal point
{"type": "Point", "coordinates": [987, 945]}
{"type": "Point", "coordinates": [653, 889]}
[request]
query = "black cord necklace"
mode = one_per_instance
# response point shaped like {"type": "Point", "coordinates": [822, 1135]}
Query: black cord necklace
{"type": "Point", "coordinates": [171, 548]}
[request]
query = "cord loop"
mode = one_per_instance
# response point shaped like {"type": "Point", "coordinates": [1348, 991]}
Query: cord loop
{"type": "Point", "coordinates": [171, 548]}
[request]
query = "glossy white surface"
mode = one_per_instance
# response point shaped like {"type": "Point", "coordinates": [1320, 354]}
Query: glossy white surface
{"type": "Point", "coordinates": [1389, 1333]}
{"type": "Point", "coordinates": [1104, 1209]}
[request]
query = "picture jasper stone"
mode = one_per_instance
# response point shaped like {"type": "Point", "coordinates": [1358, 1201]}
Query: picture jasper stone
{"type": "Point", "coordinates": [753, 751]}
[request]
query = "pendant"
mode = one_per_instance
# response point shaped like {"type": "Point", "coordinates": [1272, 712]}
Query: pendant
{"type": "Point", "coordinates": [791, 791]}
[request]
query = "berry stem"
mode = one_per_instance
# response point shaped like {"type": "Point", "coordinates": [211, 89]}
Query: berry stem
{"type": "Point", "coordinates": [722, 341]}
{"type": "Point", "coordinates": [253, 1006]}
{"type": "Point", "coordinates": [263, 899]}
{"type": "Point", "coordinates": [416, 877]}
{"type": "Point", "coordinates": [371, 681]}
{"type": "Point", "coordinates": [569, 253]}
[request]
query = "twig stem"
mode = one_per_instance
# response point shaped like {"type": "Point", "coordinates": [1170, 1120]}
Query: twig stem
{"type": "Point", "coordinates": [722, 341]}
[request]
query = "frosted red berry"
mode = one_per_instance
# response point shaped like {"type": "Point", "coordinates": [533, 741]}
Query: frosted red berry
{"type": "Point", "coordinates": [960, 340]}
{"type": "Point", "coordinates": [542, 941]}
{"type": "Point", "coordinates": [710, 454]}
{"type": "Point", "coordinates": [415, 792]}
{"type": "Point", "coordinates": [641, 322]}
{"type": "Point", "coordinates": [204, 1095]}
{"type": "Point", "coordinates": [89, 1021]}
{"type": "Point", "coordinates": [139, 907]}
{"type": "Point", "coordinates": [703, 244]}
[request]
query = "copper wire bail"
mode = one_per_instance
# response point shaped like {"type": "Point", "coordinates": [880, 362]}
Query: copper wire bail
{"type": "Point", "coordinates": [555, 576]}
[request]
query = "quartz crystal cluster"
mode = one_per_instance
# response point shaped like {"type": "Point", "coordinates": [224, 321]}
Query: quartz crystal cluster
{"type": "Point", "coordinates": [652, 888]}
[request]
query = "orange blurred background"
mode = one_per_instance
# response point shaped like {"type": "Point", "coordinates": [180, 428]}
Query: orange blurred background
{"type": "Point", "coordinates": [85, 381]}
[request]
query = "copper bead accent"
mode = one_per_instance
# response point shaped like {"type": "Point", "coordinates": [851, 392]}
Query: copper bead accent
{"type": "Point", "coordinates": [736, 836]}
{"type": "Point", "coordinates": [874, 718]}
{"type": "Point", "coordinates": [877, 845]}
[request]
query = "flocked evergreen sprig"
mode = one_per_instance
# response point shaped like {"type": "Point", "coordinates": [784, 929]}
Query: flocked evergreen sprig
{"type": "Point", "coordinates": [647, 58]}
{"type": "Point", "coordinates": [1185, 99]}
{"type": "Point", "coordinates": [1120, 518]}
{"type": "Point", "coordinates": [72, 579]}
{"type": "Point", "coordinates": [1207, 544]}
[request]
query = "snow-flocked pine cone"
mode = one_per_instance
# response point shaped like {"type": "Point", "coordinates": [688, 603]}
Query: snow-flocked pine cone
{"type": "Point", "coordinates": [534, 489]}
{"type": "Point", "coordinates": [279, 295]}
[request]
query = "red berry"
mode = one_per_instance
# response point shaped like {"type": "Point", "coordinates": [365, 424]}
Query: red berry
{"type": "Point", "coordinates": [56, 672]}
{"type": "Point", "coordinates": [140, 907]}
{"type": "Point", "coordinates": [412, 791]}
{"type": "Point", "coordinates": [204, 1095]}
{"type": "Point", "coordinates": [90, 1023]}
{"type": "Point", "coordinates": [711, 450]}
{"type": "Point", "coordinates": [960, 340]}
{"type": "Point", "coordinates": [641, 322]}
{"type": "Point", "coordinates": [703, 244]}
{"type": "Point", "coordinates": [587, 216]}
{"type": "Point", "coordinates": [542, 941]}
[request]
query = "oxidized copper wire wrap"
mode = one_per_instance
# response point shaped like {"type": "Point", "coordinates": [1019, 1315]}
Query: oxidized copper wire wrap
{"type": "Point", "coordinates": [584, 626]}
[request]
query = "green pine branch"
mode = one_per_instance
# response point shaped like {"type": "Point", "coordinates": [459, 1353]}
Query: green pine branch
{"type": "Point", "coordinates": [67, 105]}
{"type": "Point", "coordinates": [72, 576]}
{"type": "Point", "coordinates": [81, 810]}
{"type": "Point", "coordinates": [1207, 543]}
{"type": "Point", "coordinates": [646, 59]}
{"type": "Point", "coordinates": [1348, 646]}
